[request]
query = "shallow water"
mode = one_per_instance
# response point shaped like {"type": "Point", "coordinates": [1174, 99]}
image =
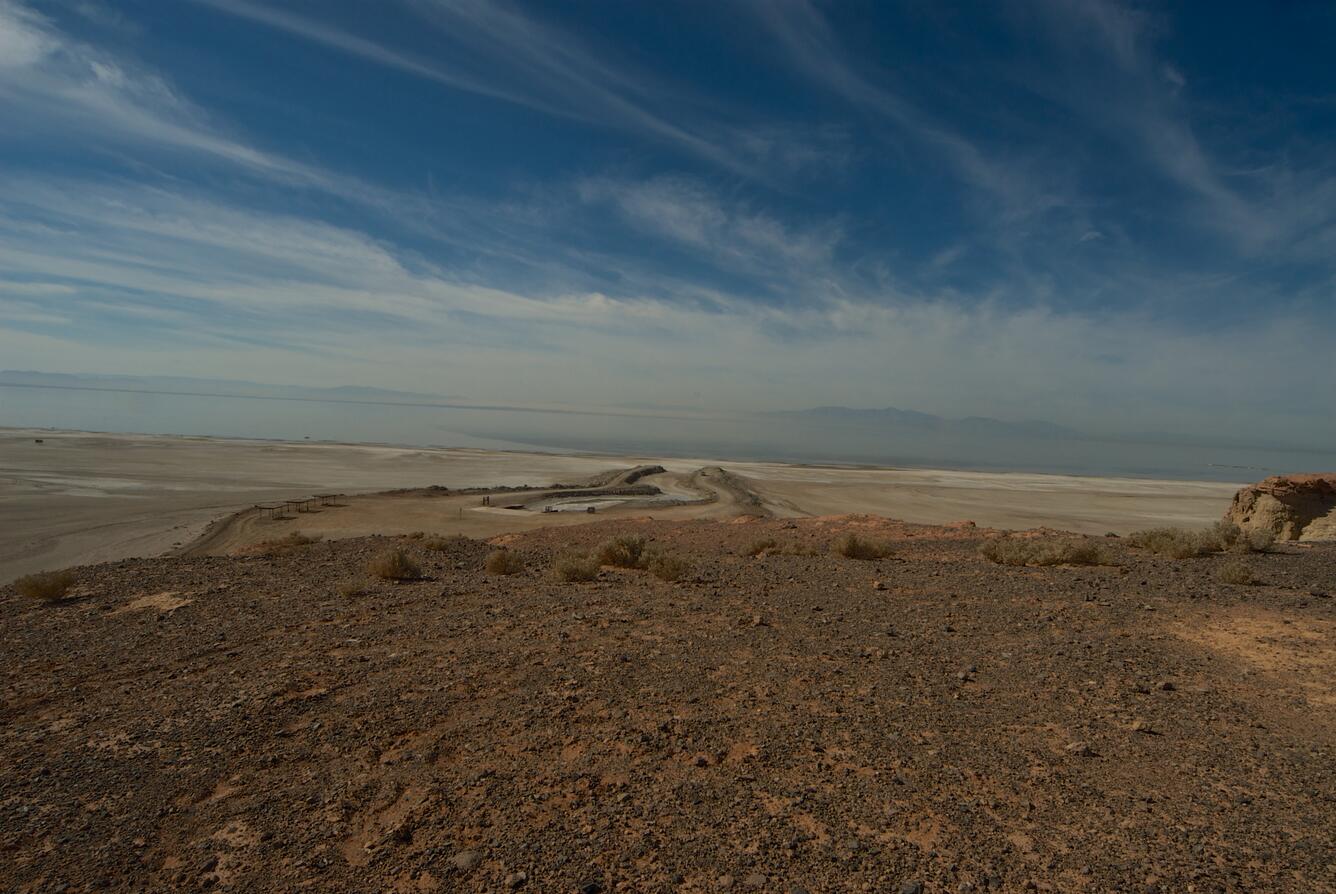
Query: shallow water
{"type": "Point", "coordinates": [757, 437]}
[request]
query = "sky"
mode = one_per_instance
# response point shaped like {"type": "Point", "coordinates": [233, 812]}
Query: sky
{"type": "Point", "coordinates": [1119, 217]}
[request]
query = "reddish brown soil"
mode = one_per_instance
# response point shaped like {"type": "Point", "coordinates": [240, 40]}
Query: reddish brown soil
{"type": "Point", "coordinates": [774, 724]}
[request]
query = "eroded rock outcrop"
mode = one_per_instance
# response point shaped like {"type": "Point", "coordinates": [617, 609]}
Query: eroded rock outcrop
{"type": "Point", "coordinates": [1292, 507]}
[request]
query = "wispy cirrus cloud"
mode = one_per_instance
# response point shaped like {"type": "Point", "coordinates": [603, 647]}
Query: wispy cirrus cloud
{"type": "Point", "coordinates": [53, 84]}
{"type": "Point", "coordinates": [1109, 49]}
{"type": "Point", "coordinates": [499, 52]}
{"type": "Point", "coordinates": [809, 44]}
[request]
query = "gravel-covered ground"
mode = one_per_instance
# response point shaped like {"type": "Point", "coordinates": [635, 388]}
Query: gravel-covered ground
{"type": "Point", "coordinates": [926, 722]}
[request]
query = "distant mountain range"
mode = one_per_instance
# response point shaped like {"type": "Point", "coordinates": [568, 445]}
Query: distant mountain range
{"type": "Point", "coordinates": [214, 387]}
{"type": "Point", "coordinates": [981, 426]}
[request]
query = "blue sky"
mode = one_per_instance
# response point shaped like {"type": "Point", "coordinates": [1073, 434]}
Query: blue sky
{"type": "Point", "coordinates": [1120, 217]}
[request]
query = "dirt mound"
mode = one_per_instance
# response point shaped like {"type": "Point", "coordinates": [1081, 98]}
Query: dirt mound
{"type": "Point", "coordinates": [791, 720]}
{"type": "Point", "coordinates": [1291, 507]}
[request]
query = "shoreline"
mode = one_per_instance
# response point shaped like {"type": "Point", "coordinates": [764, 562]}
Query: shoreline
{"type": "Point", "coordinates": [84, 497]}
{"type": "Point", "coordinates": [538, 450]}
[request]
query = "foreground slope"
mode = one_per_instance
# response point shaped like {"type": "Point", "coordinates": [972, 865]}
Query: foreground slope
{"type": "Point", "coordinates": [773, 723]}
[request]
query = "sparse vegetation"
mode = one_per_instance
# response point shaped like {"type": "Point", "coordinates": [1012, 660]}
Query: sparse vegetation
{"type": "Point", "coordinates": [440, 544]}
{"type": "Point", "coordinates": [1254, 541]}
{"type": "Point", "coordinates": [286, 545]}
{"type": "Point", "coordinates": [764, 545]}
{"type": "Point", "coordinates": [504, 561]}
{"type": "Point", "coordinates": [1180, 543]}
{"type": "Point", "coordinates": [48, 586]}
{"type": "Point", "coordinates": [573, 567]}
{"type": "Point", "coordinates": [625, 551]}
{"type": "Point", "coordinates": [1044, 551]}
{"type": "Point", "coordinates": [666, 567]}
{"type": "Point", "coordinates": [1236, 572]}
{"type": "Point", "coordinates": [851, 546]}
{"type": "Point", "coordinates": [394, 565]}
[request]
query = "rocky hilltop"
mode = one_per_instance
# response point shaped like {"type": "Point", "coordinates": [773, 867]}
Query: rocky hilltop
{"type": "Point", "coordinates": [1292, 507]}
{"type": "Point", "coordinates": [785, 715]}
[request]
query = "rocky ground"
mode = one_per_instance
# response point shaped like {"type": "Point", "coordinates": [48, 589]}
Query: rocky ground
{"type": "Point", "coordinates": [927, 722]}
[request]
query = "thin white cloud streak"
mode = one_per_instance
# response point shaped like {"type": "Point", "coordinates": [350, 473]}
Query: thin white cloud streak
{"type": "Point", "coordinates": [51, 82]}
{"type": "Point", "coordinates": [559, 76]}
{"type": "Point", "coordinates": [1107, 50]}
{"type": "Point", "coordinates": [812, 47]}
{"type": "Point", "coordinates": [334, 38]}
{"type": "Point", "coordinates": [686, 211]}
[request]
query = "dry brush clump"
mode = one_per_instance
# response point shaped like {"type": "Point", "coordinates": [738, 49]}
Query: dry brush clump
{"type": "Point", "coordinates": [763, 545]}
{"type": "Point", "coordinates": [504, 561]}
{"type": "Point", "coordinates": [1236, 572]}
{"type": "Point", "coordinates": [394, 565]}
{"type": "Point", "coordinates": [1181, 543]}
{"type": "Point", "coordinates": [285, 545]}
{"type": "Point", "coordinates": [575, 568]}
{"type": "Point", "coordinates": [851, 546]}
{"type": "Point", "coordinates": [666, 567]}
{"type": "Point", "coordinates": [626, 551]}
{"type": "Point", "coordinates": [47, 586]}
{"type": "Point", "coordinates": [1044, 551]}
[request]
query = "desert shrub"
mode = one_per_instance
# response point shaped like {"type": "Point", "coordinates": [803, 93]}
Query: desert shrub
{"type": "Point", "coordinates": [1255, 540]}
{"type": "Point", "coordinates": [1236, 572]}
{"type": "Point", "coordinates": [504, 561]}
{"type": "Point", "coordinates": [47, 585]}
{"type": "Point", "coordinates": [394, 565]}
{"type": "Point", "coordinates": [764, 545]}
{"type": "Point", "coordinates": [282, 546]}
{"type": "Point", "coordinates": [666, 567]}
{"type": "Point", "coordinates": [417, 535]}
{"type": "Point", "coordinates": [573, 567]}
{"type": "Point", "coordinates": [851, 546]}
{"type": "Point", "coordinates": [1043, 551]}
{"type": "Point", "coordinates": [623, 552]}
{"type": "Point", "coordinates": [1178, 543]}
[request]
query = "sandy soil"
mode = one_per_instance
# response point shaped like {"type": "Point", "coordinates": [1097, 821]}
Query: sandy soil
{"type": "Point", "coordinates": [82, 497]}
{"type": "Point", "coordinates": [791, 723]}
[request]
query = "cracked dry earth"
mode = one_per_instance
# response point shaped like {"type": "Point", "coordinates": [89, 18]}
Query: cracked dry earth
{"type": "Point", "coordinates": [773, 724]}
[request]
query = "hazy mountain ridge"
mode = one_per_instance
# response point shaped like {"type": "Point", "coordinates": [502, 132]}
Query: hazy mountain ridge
{"type": "Point", "coordinates": [214, 387]}
{"type": "Point", "coordinates": [976, 425]}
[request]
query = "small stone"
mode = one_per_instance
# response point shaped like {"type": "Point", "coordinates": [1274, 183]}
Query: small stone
{"type": "Point", "coordinates": [1080, 749]}
{"type": "Point", "coordinates": [591, 887]}
{"type": "Point", "coordinates": [1165, 686]}
{"type": "Point", "coordinates": [914, 887]}
{"type": "Point", "coordinates": [755, 880]}
{"type": "Point", "coordinates": [1142, 726]}
{"type": "Point", "coordinates": [516, 880]}
{"type": "Point", "coordinates": [878, 585]}
{"type": "Point", "coordinates": [466, 860]}
{"type": "Point", "coordinates": [724, 882]}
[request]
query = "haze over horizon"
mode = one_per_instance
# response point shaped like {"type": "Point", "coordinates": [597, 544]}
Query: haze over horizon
{"type": "Point", "coordinates": [1115, 217]}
